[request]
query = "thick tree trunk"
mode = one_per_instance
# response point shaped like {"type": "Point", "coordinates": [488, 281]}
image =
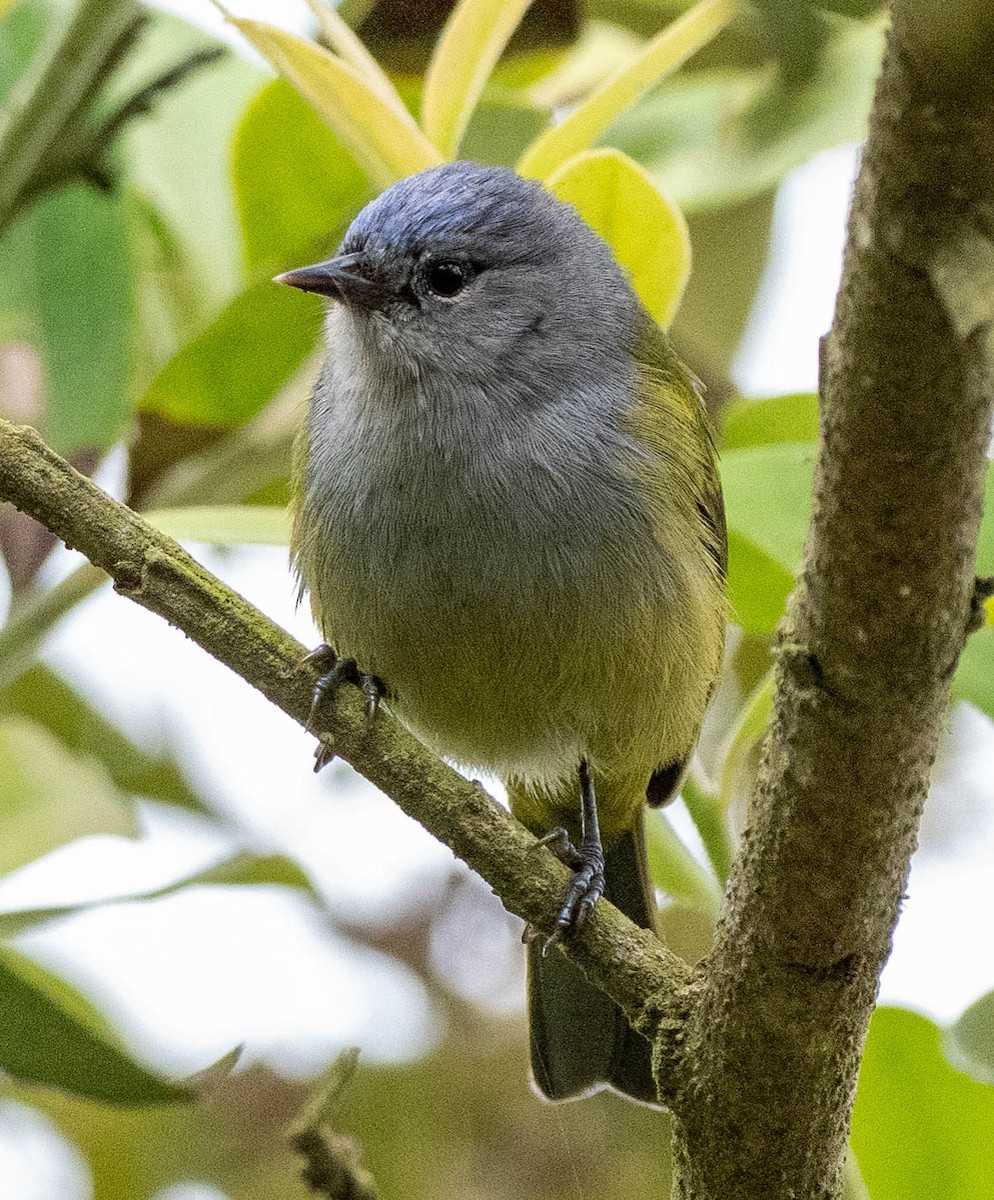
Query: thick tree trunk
{"type": "Point", "coordinates": [865, 657]}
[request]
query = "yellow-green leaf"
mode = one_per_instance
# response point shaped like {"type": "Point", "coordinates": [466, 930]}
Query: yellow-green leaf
{"type": "Point", "coordinates": [648, 235]}
{"type": "Point", "coordinates": [385, 141]}
{"type": "Point", "coordinates": [753, 721]}
{"type": "Point", "coordinates": [471, 43]}
{"type": "Point", "coordinates": [51, 1035]}
{"type": "Point", "coordinates": [661, 56]}
{"type": "Point", "coordinates": [351, 49]}
{"type": "Point", "coordinates": [225, 524]}
{"type": "Point", "coordinates": [50, 796]}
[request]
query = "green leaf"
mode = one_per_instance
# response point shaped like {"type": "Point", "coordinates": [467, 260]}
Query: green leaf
{"type": "Point", "coordinates": [472, 41]}
{"type": "Point", "coordinates": [44, 697]}
{"type": "Point", "coordinates": [243, 869]}
{"type": "Point", "coordinates": [51, 1035]}
{"type": "Point", "coordinates": [766, 422]}
{"type": "Point", "coordinates": [49, 796]}
{"type": "Point", "coordinates": [920, 1129]}
{"type": "Point", "coordinates": [724, 134]}
{"type": "Point", "coordinates": [295, 184]}
{"type": "Point", "coordinates": [768, 496]}
{"type": "Point", "coordinates": [731, 248]}
{"type": "Point", "coordinates": [674, 869]}
{"type": "Point", "coordinates": [177, 159]}
{"type": "Point", "coordinates": [969, 1043]}
{"type": "Point", "coordinates": [352, 50]}
{"type": "Point", "coordinates": [65, 287]}
{"type": "Point", "coordinates": [582, 127]}
{"type": "Point", "coordinates": [647, 234]}
{"type": "Point", "coordinates": [758, 585]}
{"type": "Point", "coordinates": [225, 524]}
{"type": "Point", "coordinates": [985, 543]}
{"type": "Point", "coordinates": [385, 141]}
{"type": "Point", "coordinates": [228, 373]}
{"type": "Point", "coordinates": [752, 724]}
{"type": "Point", "coordinates": [22, 34]}
{"type": "Point", "coordinates": [974, 678]}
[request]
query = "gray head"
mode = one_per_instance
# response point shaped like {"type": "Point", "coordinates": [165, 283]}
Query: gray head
{"type": "Point", "coordinates": [468, 268]}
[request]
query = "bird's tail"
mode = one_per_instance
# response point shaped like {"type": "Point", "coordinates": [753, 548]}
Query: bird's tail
{"type": "Point", "coordinates": [580, 1040]}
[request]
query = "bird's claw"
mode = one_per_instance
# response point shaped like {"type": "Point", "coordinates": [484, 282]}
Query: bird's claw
{"type": "Point", "coordinates": [585, 889]}
{"type": "Point", "coordinates": [558, 841]}
{"type": "Point", "coordinates": [334, 671]}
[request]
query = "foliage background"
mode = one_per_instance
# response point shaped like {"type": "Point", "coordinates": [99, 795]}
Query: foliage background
{"type": "Point", "coordinates": [141, 334]}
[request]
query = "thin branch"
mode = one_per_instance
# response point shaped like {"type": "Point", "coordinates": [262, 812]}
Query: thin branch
{"type": "Point", "coordinates": [332, 1168]}
{"type": "Point", "coordinates": [652, 984]}
{"type": "Point", "coordinates": [884, 603]}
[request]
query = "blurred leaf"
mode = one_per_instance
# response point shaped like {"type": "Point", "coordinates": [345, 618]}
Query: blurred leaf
{"type": "Point", "coordinates": [723, 134]}
{"type": "Point", "coordinates": [969, 1043]}
{"type": "Point", "coordinates": [674, 869]}
{"type": "Point", "coordinates": [387, 143]}
{"type": "Point", "coordinates": [49, 796]}
{"type": "Point", "coordinates": [65, 287]}
{"type": "Point", "coordinates": [731, 247]}
{"type": "Point", "coordinates": [22, 34]}
{"type": "Point", "coordinates": [920, 1129]}
{"type": "Point", "coordinates": [751, 726]}
{"type": "Point", "coordinates": [294, 182]}
{"type": "Point", "coordinates": [664, 54]}
{"type": "Point", "coordinates": [765, 422]}
{"type": "Point", "coordinates": [221, 525]}
{"type": "Point", "coordinates": [498, 133]}
{"type": "Point", "coordinates": [796, 32]}
{"type": "Point", "coordinates": [758, 585]}
{"type": "Point", "coordinates": [51, 1035]}
{"type": "Point", "coordinates": [45, 697]}
{"type": "Point", "coordinates": [344, 42]}
{"type": "Point", "coordinates": [647, 234]}
{"type": "Point", "coordinates": [985, 544]}
{"type": "Point", "coordinates": [243, 869]}
{"type": "Point", "coordinates": [177, 160]}
{"type": "Point", "coordinates": [974, 679]}
{"type": "Point", "coordinates": [708, 815]}
{"type": "Point", "coordinates": [472, 41]}
{"type": "Point", "coordinates": [859, 10]}
{"type": "Point", "coordinates": [602, 49]}
{"type": "Point", "coordinates": [228, 373]}
{"type": "Point", "coordinates": [768, 496]}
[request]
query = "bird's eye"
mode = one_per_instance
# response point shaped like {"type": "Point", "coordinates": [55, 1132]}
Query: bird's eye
{"type": "Point", "coordinates": [447, 279]}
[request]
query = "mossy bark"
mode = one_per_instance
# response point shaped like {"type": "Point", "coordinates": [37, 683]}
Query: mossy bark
{"type": "Point", "coordinates": [866, 654]}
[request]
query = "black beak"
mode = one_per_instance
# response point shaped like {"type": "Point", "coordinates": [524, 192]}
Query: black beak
{"type": "Point", "coordinates": [350, 278]}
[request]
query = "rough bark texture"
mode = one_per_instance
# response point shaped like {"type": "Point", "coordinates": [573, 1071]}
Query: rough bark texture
{"type": "Point", "coordinates": [867, 651]}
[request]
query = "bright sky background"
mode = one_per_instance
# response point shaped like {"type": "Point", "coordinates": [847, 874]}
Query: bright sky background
{"type": "Point", "coordinates": [192, 975]}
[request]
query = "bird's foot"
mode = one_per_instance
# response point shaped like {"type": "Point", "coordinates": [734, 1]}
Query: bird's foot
{"type": "Point", "coordinates": [332, 672]}
{"type": "Point", "coordinates": [585, 889]}
{"type": "Point", "coordinates": [587, 863]}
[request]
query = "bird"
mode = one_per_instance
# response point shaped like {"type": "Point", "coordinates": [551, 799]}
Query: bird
{"type": "Point", "coordinates": [508, 516]}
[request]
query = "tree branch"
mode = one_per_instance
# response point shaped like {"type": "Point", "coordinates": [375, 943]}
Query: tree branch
{"type": "Point", "coordinates": [874, 631]}
{"type": "Point", "coordinates": [653, 985]}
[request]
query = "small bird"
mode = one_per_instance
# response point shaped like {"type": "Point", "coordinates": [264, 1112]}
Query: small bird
{"type": "Point", "coordinates": [509, 519]}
